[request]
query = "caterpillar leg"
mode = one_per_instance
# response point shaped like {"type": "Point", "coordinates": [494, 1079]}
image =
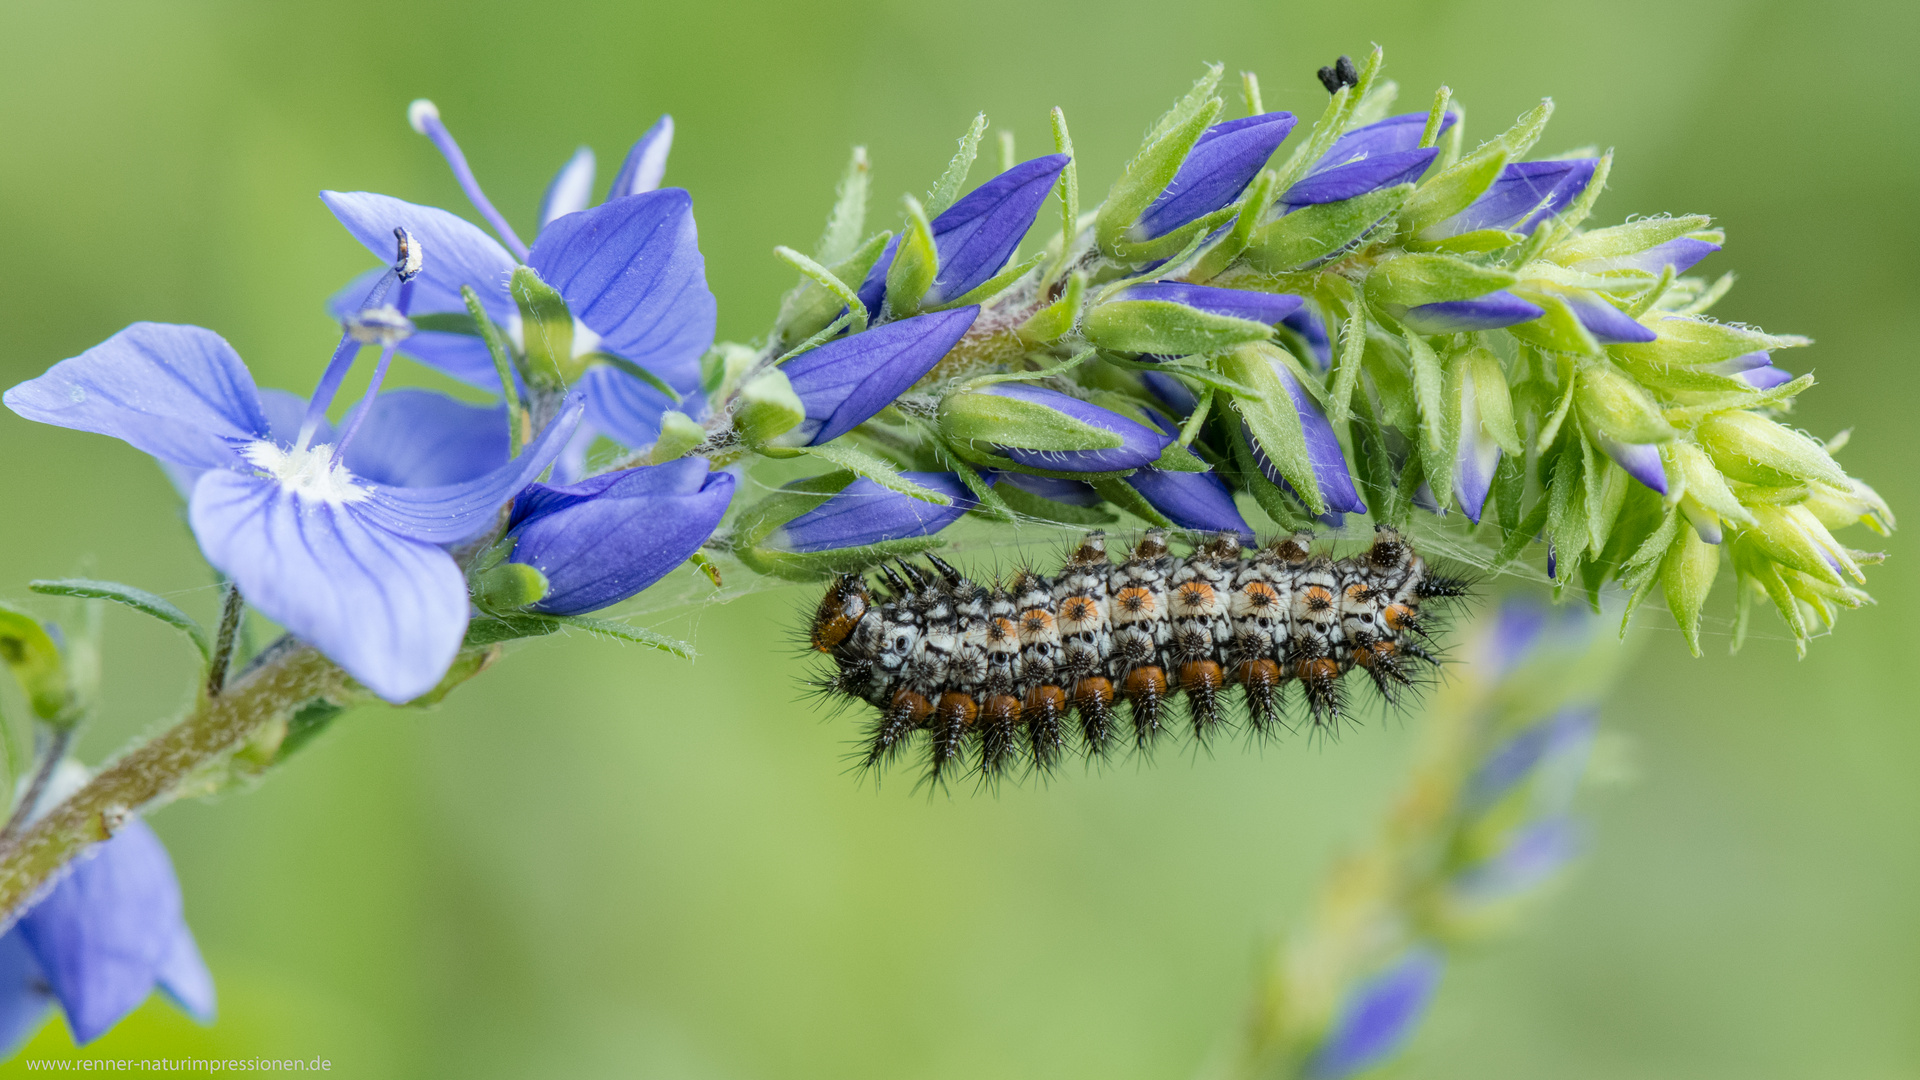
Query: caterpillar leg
{"type": "Point", "coordinates": [1262, 684]}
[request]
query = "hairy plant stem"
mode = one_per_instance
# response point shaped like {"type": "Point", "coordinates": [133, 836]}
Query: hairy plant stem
{"type": "Point", "coordinates": [285, 676]}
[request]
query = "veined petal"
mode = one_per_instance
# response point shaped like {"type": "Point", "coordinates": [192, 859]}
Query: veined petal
{"type": "Point", "coordinates": [631, 270]}
{"type": "Point", "coordinates": [1218, 168]}
{"type": "Point", "coordinates": [646, 163]}
{"type": "Point", "coordinates": [388, 609]}
{"type": "Point", "coordinates": [844, 382]}
{"type": "Point", "coordinates": [1359, 177]}
{"type": "Point", "coordinates": [1489, 312]}
{"type": "Point", "coordinates": [176, 392]}
{"type": "Point", "coordinates": [453, 512]}
{"type": "Point", "coordinates": [1525, 194]}
{"type": "Point", "coordinates": [103, 933]}
{"type": "Point", "coordinates": [423, 438]}
{"type": "Point", "coordinates": [1394, 135]}
{"type": "Point", "coordinates": [456, 251]}
{"type": "Point", "coordinates": [1263, 307]}
{"type": "Point", "coordinates": [571, 189]}
{"type": "Point", "coordinates": [628, 410]}
{"type": "Point", "coordinates": [608, 537]}
{"type": "Point", "coordinates": [1191, 500]}
{"type": "Point", "coordinates": [865, 513]}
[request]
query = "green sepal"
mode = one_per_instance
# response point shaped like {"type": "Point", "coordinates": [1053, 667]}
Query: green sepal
{"type": "Point", "coordinates": [766, 408]}
{"type": "Point", "coordinates": [1558, 330]}
{"type": "Point", "coordinates": [1173, 246]}
{"type": "Point", "coordinates": [446, 322]}
{"type": "Point", "coordinates": [1456, 186]}
{"type": "Point", "coordinates": [1566, 524]}
{"type": "Point", "coordinates": [946, 189]}
{"type": "Point", "coordinates": [1793, 537]}
{"type": "Point", "coordinates": [1161, 326]}
{"type": "Point", "coordinates": [1274, 421]}
{"type": "Point", "coordinates": [848, 218]}
{"type": "Point", "coordinates": [968, 417]}
{"type": "Point", "coordinates": [1312, 233]}
{"type": "Point", "coordinates": [679, 433]}
{"type": "Point", "coordinates": [1346, 367]}
{"type": "Point", "coordinates": [846, 456]}
{"type": "Point", "coordinates": [519, 424]}
{"type": "Point", "coordinates": [1069, 187]}
{"type": "Point", "coordinates": [1477, 242]}
{"type": "Point", "coordinates": [1177, 458]}
{"type": "Point", "coordinates": [1509, 491]}
{"type": "Point", "coordinates": [546, 328]}
{"type": "Point", "coordinates": [1149, 173]}
{"type": "Point", "coordinates": [1429, 278]}
{"type": "Point", "coordinates": [1493, 399]}
{"type": "Point", "coordinates": [820, 565]}
{"type": "Point", "coordinates": [994, 285]}
{"type": "Point", "coordinates": [1634, 237]}
{"type": "Point", "coordinates": [811, 306]}
{"type": "Point", "coordinates": [1333, 122]}
{"type": "Point", "coordinates": [1687, 573]}
{"type": "Point", "coordinates": [1618, 407]}
{"type": "Point", "coordinates": [915, 264]}
{"type": "Point", "coordinates": [1056, 320]}
{"type": "Point", "coordinates": [1690, 472]}
{"type": "Point", "coordinates": [38, 666]}
{"type": "Point", "coordinates": [840, 291]}
{"type": "Point", "coordinates": [1694, 342]}
{"type": "Point", "coordinates": [138, 599]}
{"type": "Point", "coordinates": [1437, 390]}
{"type": "Point", "coordinates": [1751, 448]}
{"type": "Point", "coordinates": [991, 504]}
{"type": "Point", "coordinates": [1273, 502]}
{"type": "Point", "coordinates": [1252, 208]}
{"type": "Point", "coordinates": [508, 586]}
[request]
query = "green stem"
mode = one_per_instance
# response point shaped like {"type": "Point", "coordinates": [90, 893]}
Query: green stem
{"type": "Point", "coordinates": [286, 676]}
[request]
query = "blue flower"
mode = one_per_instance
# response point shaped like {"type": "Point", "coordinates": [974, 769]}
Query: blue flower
{"type": "Point", "coordinates": [1265, 307]}
{"type": "Point", "coordinates": [1380, 155]}
{"type": "Point", "coordinates": [99, 943]}
{"type": "Point", "coordinates": [1191, 500]}
{"type": "Point", "coordinates": [1140, 444]}
{"type": "Point", "coordinates": [1313, 329]}
{"type": "Point", "coordinates": [630, 271]}
{"type": "Point", "coordinates": [608, 537]}
{"type": "Point", "coordinates": [1477, 455]}
{"type": "Point", "coordinates": [352, 564]}
{"type": "Point", "coordinates": [1755, 369]}
{"type": "Point", "coordinates": [1218, 168]}
{"type": "Point", "coordinates": [1521, 198]}
{"type": "Point", "coordinates": [1640, 460]}
{"type": "Point", "coordinates": [1329, 462]}
{"type": "Point", "coordinates": [1489, 312]}
{"type": "Point", "coordinates": [865, 513]}
{"type": "Point", "coordinates": [1681, 253]}
{"type": "Point", "coordinates": [1378, 1017]}
{"type": "Point", "coordinates": [976, 236]}
{"type": "Point", "coordinates": [1053, 488]}
{"type": "Point", "coordinates": [846, 381]}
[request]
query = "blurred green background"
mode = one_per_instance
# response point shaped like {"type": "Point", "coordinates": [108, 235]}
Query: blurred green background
{"type": "Point", "coordinates": [599, 861]}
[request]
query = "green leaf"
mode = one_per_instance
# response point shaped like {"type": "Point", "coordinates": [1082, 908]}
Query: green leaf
{"type": "Point", "coordinates": [1177, 458]}
{"type": "Point", "coordinates": [1274, 421]}
{"type": "Point", "coordinates": [1753, 449]}
{"type": "Point", "coordinates": [1147, 175]}
{"type": "Point", "coordinates": [1161, 326]}
{"type": "Point", "coordinates": [1312, 233]}
{"type": "Point", "coordinates": [1431, 278]}
{"type": "Point", "coordinates": [27, 649]}
{"type": "Point", "coordinates": [841, 237]}
{"type": "Point", "coordinates": [138, 599]}
{"type": "Point", "coordinates": [915, 264]}
{"type": "Point", "coordinates": [991, 504]}
{"type": "Point", "coordinates": [546, 328]}
{"type": "Point", "coordinates": [609, 628]}
{"type": "Point", "coordinates": [860, 463]}
{"type": "Point", "coordinates": [827, 280]}
{"type": "Point", "coordinates": [947, 188]}
{"type": "Point", "coordinates": [493, 629]}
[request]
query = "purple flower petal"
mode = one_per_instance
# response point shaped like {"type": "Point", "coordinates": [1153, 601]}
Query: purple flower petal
{"type": "Point", "coordinates": [1475, 458]}
{"type": "Point", "coordinates": [178, 393]}
{"type": "Point", "coordinates": [1378, 1017]}
{"type": "Point", "coordinates": [631, 270]}
{"type": "Point", "coordinates": [1607, 324]}
{"type": "Point", "coordinates": [1191, 500]}
{"type": "Point", "coordinates": [1680, 253]}
{"type": "Point", "coordinates": [1172, 391]}
{"type": "Point", "coordinates": [1053, 488]}
{"type": "Point", "coordinates": [865, 513]}
{"type": "Point", "coordinates": [1525, 194]}
{"type": "Point", "coordinates": [1218, 168]}
{"type": "Point", "coordinates": [452, 512]}
{"type": "Point", "coordinates": [628, 410]}
{"type": "Point", "coordinates": [1567, 732]}
{"type": "Point", "coordinates": [103, 934]}
{"type": "Point", "coordinates": [844, 382]}
{"type": "Point", "coordinates": [1489, 312]}
{"type": "Point", "coordinates": [1755, 369]}
{"type": "Point", "coordinates": [24, 997]}
{"type": "Point", "coordinates": [1534, 855]}
{"type": "Point", "coordinates": [422, 438]}
{"type": "Point", "coordinates": [1394, 135]}
{"type": "Point", "coordinates": [646, 163]}
{"type": "Point", "coordinates": [1640, 460]}
{"type": "Point", "coordinates": [184, 977]}
{"type": "Point", "coordinates": [388, 609]}
{"type": "Point", "coordinates": [572, 188]}
{"type": "Point", "coordinates": [1323, 451]}
{"type": "Point", "coordinates": [1262, 307]}
{"type": "Point", "coordinates": [1766, 378]}
{"type": "Point", "coordinates": [456, 251]}
{"type": "Point", "coordinates": [608, 537]}
{"type": "Point", "coordinates": [975, 236]}
{"type": "Point", "coordinates": [1307, 323]}
{"type": "Point", "coordinates": [1368, 174]}
{"type": "Point", "coordinates": [1140, 444]}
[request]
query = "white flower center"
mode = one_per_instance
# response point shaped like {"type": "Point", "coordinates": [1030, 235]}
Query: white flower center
{"type": "Point", "coordinates": [310, 473]}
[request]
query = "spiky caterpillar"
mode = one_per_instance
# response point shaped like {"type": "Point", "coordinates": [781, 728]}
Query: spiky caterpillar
{"type": "Point", "coordinates": [998, 674]}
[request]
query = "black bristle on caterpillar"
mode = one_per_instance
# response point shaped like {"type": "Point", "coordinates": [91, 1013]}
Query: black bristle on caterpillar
{"type": "Point", "coordinates": [1009, 678]}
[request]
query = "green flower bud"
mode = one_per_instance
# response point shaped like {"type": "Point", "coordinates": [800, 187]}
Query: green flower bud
{"type": "Point", "coordinates": [508, 586]}
{"type": "Point", "coordinates": [1691, 475]}
{"type": "Point", "coordinates": [1749, 447]}
{"type": "Point", "coordinates": [1688, 342]}
{"type": "Point", "coordinates": [766, 408]}
{"type": "Point", "coordinates": [1793, 537]}
{"type": "Point", "coordinates": [1412, 280]}
{"type": "Point", "coordinates": [1315, 232]}
{"type": "Point", "coordinates": [1856, 503]}
{"type": "Point", "coordinates": [1619, 407]}
{"type": "Point", "coordinates": [36, 662]}
{"type": "Point", "coordinates": [1687, 575]}
{"type": "Point", "coordinates": [981, 421]}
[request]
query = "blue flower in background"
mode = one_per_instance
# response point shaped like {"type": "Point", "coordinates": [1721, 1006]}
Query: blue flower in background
{"type": "Point", "coordinates": [976, 236]}
{"type": "Point", "coordinates": [846, 381]}
{"type": "Point", "coordinates": [1140, 444]}
{"type": "Point", "coordinates": [1218, 168]}
{"type": "Point", "coordinates": [100, 941]}
{"type": "Point", "coordinates": [630, 271]}
{"type": "Point", "coordinates": [865, 513]}
{"type": "Point", "coordinates": [608, 537]}
{"type": "Point", "coordinates": [1378, 1017]}
{"type": "Point", "coordinates": [1380, 155]}
{"type": "Point", "coordinates": [352, 564]}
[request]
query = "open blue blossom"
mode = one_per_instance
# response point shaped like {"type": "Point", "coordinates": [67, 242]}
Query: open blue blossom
{"type": "Point", "coordinates": [99, 943]}
{"type": "Point", "coordinates": [1191, 500]}
{"type": "Point", "coordinates": [1378, 1017]}
{"type": "Point", "coordinates": [976, 236]}
{"type": "Point", "coordinates": [1329, 462]}
{"type": "Point", "coordinates": [608, 537]}
{"type": "Point", "coordinates": [630, 271]}
{"type": "Point", "coordinates": [846, 381]}
{"type": "Point", "coordinates": [1218, 168]}
{"type": "Point", "coordinates": [1524, 195]}
{"type": "Point", "coordinates": [1380, 155]}
{"type": "Point", "coordinates": [1265, 307]}
{"type": "Point", "coordinates": [353, 565]}
{"type": "Point", "coordinates": [1140, 444]}
{"type": "Point", "coordinates": [865, 513]}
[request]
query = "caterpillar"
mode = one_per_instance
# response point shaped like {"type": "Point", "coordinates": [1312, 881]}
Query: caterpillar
{"type": "Point", "coordinates": [1024, 672]}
